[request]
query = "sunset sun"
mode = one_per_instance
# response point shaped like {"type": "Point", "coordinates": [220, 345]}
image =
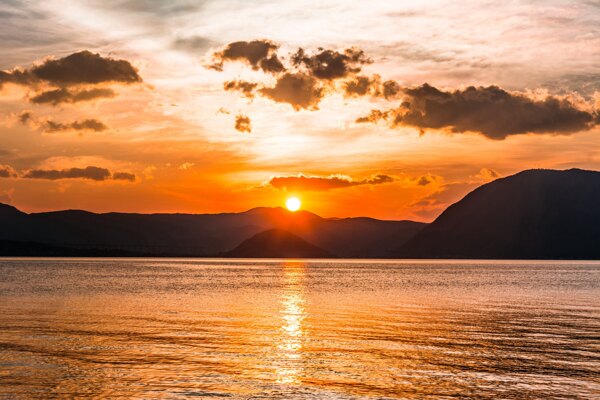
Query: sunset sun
{"type": "Point", "coordinates": [293, 204]}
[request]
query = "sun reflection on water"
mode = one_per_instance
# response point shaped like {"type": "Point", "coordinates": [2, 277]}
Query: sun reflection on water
{"type": "Point", "coordinates": [292, 324]}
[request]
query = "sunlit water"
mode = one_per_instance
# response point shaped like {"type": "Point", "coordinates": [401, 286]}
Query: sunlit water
{"type": "Point", "coordinates": [156, 328]}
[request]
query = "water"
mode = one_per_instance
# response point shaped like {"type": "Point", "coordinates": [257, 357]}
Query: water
{"type": "Point", "coordinates": [156, 328]}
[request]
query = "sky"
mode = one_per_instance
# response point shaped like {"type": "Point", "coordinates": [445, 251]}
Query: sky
{"type": "Point", "coordinates": [391, 110]}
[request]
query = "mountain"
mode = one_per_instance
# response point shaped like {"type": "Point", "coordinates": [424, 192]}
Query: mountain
{"type": "Point", "coordinates": [535, 214]}
{"type": "Point", "coordinates": [277, 243]}
{"type": "Point", "coordinates": [194, 234]}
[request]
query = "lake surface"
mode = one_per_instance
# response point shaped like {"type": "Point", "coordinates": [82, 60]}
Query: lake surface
{"type": "Point", "coordinates": [157, 328]}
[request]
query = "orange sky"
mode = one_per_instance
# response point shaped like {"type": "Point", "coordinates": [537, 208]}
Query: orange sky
{"type": "Point", "coordinates": [139, 92]}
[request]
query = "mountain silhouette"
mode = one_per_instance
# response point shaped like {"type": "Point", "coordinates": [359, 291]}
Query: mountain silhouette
{"type": "Point", "coordinates": [535, 214]}
{"type": "Point", "coordinates": [192, 234]}
{"type": "Point", "coordinates": [277, 243]}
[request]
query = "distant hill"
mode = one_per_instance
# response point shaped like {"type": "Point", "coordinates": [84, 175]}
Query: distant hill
{"type": "Point", "coordinates": [192, 234]}
{"type": "Point", "coordinates": [277, 243]}
{"type": "Point", "coordinates": [535, 214]}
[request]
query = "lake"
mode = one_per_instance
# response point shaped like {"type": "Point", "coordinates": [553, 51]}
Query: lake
{"type": "Point", "coordinates": [314, 329]}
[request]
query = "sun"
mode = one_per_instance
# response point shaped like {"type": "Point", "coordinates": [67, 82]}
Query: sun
{"type": "Point", "coordinates": [293, 204]}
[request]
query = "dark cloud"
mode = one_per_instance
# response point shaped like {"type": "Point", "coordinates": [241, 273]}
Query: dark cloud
{"type": "Point", "coordinates": [93, 173]}
{"type": "Point", "coordinates": [242, 123]}
{"type": "Point", "coordinates": [85, 67]}
{"type": "Point", "coordinates": [87, 124]}
{"type": "Point", "coordinates": [373, 116]}
{"type": "Point", "coordinates": [7, 171]}
{"type": "Point", "coordinates": [25, 117]}
{"type": "Point", "coordinates": [490, 111]}
{"type": "Point", "coordinates": [246, 88]}
{"type": "Point", "coordinates": [64, 95]}
{"type": "Point", "coordinates": [372, 86]}
{"type": "Point", "coordinates": [299, 90]}
{"type": "Point", "coordinates": [124, 176]}
{"type": "Point", "coordinates": [362, 86]}
{"type": "Point", "coordinates": [16, 76]}
{"type": "Point", "coordinates": [331, 64]}
{"type": "Point", "coordinates": [319, 183]}
{"type": "Point", "coordinates": [390, 89]}
{"type": "Point", "coordinates": [307, 77]}
{"type": "Point", "coordinates": [259, 54]}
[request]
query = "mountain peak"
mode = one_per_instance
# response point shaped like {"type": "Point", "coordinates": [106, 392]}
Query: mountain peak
{"type": "Point", "coordinates": [277, 243]}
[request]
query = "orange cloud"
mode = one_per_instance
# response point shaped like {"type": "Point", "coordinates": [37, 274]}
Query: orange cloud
{"type": "Point", "coordinates": [242, 123]}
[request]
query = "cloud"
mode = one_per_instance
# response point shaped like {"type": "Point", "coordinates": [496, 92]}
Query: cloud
{"type": "Point", "coordinates": [320, 183]}
{"type": "Point", "coordinates": [306, 78]}
{"type": "Point", "coordinates": [246, 88]}
{"type": "Point", "coordinates": [373, 116]}
{"type": "Point", "coordinates": [85, 67]}
{"type": "Point", "coordinates": [64, 95]}
{"type": "Point", "coordinates": [372, 86]}
{"type": "Point", "coordinates": [87, 124]}
{"type": "Point", "coordinates": [16, 76]}
{"type": "Point", "coordinates": [242, 123]}
{"type": "Point", "coordinates": [186, 165]}
{"type": "Point", "coordinates": [487, 174]}
{"type": "Point", "coordinates": [259, 54]}
{"type": "Point", "coordinates": [491, 111]}
{"type": "Point", "coordinates": [331, 64]}
{"type": "Point", "coordinates": [192, 43]}
{"type": "Point", "coordinates": [91, 173]}
{"type": "Point", "coordinates": [299, 90]}
{"type": "Point", "coordinates": [25, 117]}
{"type": "Point", "coordinates": [123, 176]}
{"type": "Point", "coordinates": [79, 69]}
{"type": "Point", "coordinates": [7, 171]}
{"type": "Point", "coordinates": [425, 180]}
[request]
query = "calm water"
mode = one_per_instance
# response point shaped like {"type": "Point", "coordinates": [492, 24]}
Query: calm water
{"type": "Point", "coordinates": [158, 328]}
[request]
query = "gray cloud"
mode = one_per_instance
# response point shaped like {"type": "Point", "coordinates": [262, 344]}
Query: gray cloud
{"type": "Point", "coordinates": [193, 44]}
{"type": "Point", "coordinates": [85, 67]}
{"type": "Point", "coordinates": [64, 95]}
{"type": "Point", "coordinates": [491, 111]}
{"type": "Point", "coordinates": [91, 173]}
{"type": "Point", "coordinates": [299, 90]}
{"type": "Point", "coordinates": [321, 183]}
{"type": "Point", "coordinates": [331, 64]}
{"type": "Point", "coordinates": [87, 124]}
{"type": "Point", "coordinates": [124, 176]}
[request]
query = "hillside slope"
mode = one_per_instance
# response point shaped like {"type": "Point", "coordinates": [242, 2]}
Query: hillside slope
{"type": "Point", "coordinates": [543, 214]}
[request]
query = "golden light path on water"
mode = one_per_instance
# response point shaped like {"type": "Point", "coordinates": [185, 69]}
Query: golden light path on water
{"type": "Point", "coordinates": [292, 315]}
